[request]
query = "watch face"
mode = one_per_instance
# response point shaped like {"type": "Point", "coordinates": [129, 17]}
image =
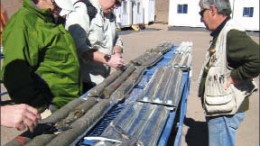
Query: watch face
{"type": "Point", "coordinates": [107, 57]}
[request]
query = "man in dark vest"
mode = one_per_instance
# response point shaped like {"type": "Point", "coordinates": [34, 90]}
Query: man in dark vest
{"type": "Point", "coordinates": [237, 56]}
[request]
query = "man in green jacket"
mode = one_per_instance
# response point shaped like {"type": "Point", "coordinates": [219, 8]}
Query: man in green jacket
{"type": "Point", "coordinates": [40, 67]}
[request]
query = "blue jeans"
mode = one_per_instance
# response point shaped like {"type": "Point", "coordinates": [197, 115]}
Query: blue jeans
{"type": "Point", "coordinates": [222, 129]}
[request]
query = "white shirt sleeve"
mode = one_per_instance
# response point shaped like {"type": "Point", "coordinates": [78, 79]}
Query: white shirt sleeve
{"type": "Point", "coordinates": [119, 42]}
{"type": "Point", "coordinates": [77, 23]}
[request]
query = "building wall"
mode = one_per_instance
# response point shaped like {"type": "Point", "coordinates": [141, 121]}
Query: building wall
{"type": "Point", "coordinates": [249, 23]}
{"type": "Point", "coordinates": [192, 18]}
{"type": "Point", "coordinates": [149, 11]}
{"type": "Point", "coordinates": [166, 12]}
{"type": "Point", "coordinates": [189, 19]}
{"type": "Point", "coordinates": [11, 6]}
{"type": "Point", "coordinates": [161, 11]}
{"type": "Point", "coordinates": [124, 14]}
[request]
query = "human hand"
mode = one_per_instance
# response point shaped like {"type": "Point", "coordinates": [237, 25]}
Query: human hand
{"type": "Point", "coordinates": [19, 116]}
{"type": "Point", "coordinates": [229, 82]}
{"type": "Point", "coordinates": [116, 61]}
{"type": "Point", "coordinates": [118, 54]}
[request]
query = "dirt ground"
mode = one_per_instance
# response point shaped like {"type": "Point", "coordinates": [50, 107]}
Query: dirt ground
{"type": "Point", "coordinates": [194, 129]}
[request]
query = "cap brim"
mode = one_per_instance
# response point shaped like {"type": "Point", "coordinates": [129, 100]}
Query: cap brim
{"type": "Point", "coordinates": [65, 4]}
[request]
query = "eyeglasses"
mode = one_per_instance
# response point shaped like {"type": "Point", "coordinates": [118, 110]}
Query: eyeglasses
{"type": "Point", "coordinates": [57, 9]}
{"type": "Point", "coordinates": [202, 12]}
{"type": "Point", "coordinates": [54, 3]}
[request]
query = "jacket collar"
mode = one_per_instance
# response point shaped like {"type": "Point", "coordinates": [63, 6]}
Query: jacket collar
{"type": "Point", "coordinates": [44, 14]}
{"type": "Point", "coordinates": [219, 28]}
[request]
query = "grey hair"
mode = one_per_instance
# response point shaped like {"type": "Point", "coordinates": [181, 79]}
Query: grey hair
{"type": "Point", "coordinates": [223, 6]}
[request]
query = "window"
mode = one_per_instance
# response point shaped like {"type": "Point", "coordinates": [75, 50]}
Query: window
{"type": "Point", "coordinates": [248, 12]}
{"type": "Point", "coordinates": [182, 9]}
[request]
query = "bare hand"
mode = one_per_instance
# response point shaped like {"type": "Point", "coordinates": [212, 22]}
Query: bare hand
{"type": "Point", "coordinates": [19, 116]}
{"type": "Point", "coordinates": [229, 82]}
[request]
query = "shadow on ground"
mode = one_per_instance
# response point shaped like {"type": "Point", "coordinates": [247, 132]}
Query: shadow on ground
{"type": "Point", "coordinates": [129, 30]}
{"type": "Point", "coordinates": [197, 132]}
{"type": "Point", "coordinates": [201, 29]}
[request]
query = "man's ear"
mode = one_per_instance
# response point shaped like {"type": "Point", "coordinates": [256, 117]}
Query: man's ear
{"type": "Point", "coordinates": [213, 10]}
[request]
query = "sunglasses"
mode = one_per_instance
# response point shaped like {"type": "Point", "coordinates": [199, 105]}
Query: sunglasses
{"type": "Point", "coordinates": [202, 12]}
{"type": "Point", "coordinates": [56, 7]}
{"type": "Point", "coordinates": [54, 3]}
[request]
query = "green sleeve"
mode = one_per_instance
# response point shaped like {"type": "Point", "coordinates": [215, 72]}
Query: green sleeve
{"type": "Point", "coordinates": [20, 62]}
{"type": "Point", "coordinates": [242, 55]}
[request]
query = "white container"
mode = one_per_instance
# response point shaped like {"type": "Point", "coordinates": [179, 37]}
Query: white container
{"type": "Point", "coordinates": [124, 14]}
{"type": "Point", "coordinates": [138, 12]}
{"type": "Point", "coordinates": [149, 11]}
{"type": "Point", "coordinates": [184, 13]}
{"type": "Point", "coordinates": [246, 13]}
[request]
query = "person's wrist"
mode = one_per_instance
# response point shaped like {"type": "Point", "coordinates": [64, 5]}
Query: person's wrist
{"type": "Point", "coordinates": [118, 51]}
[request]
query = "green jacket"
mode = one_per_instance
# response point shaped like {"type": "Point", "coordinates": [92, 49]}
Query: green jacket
{"type": "Point", "coordinates": [40, 61]}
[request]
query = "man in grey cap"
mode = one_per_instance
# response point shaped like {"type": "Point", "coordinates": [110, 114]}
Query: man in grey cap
{"type": "Point", "coordinates": [41, 66]}
{"type": "Point", "coordinates": [93, 27]}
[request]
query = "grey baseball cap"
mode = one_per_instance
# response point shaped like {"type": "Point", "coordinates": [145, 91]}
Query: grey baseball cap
{"type": "Point", "coordinates": [65, 4]}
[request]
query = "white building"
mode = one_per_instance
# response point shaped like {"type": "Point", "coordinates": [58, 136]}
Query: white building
{"type": "Point", "coordinates": [124, 14]}
{"type": "Point", "coordinates": [135, 12]}
{"type": "Point", "coordinates": [138, 11]}
{"type": "Point", "coordinates": [149, 11]}
{"type": "Point", "coordinates": [246, 13]}
{"type": "Point", "coordinates": [185, 13]}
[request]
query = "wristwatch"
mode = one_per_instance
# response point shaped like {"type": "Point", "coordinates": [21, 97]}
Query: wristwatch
{"type": "Point", "coordinates": [107, 57]}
